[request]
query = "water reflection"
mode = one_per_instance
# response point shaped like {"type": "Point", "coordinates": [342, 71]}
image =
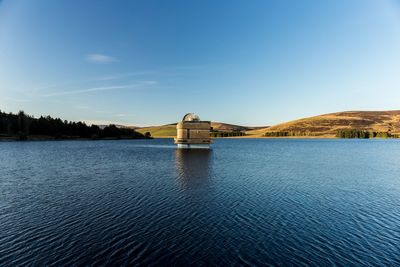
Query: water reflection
{"type": "Point", "coordinates": [192, 167]}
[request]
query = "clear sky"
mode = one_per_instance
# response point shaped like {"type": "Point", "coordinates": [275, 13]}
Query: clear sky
{"type": "Point", "coordinates": [247, 62]}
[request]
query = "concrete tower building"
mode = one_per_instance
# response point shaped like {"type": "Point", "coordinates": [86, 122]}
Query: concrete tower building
{"type": "Point", "coordinates": [193, 133]}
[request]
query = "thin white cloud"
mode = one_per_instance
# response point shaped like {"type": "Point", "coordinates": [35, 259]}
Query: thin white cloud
{"type": "Point", "coordinates": [98, 89]}
{"type": "Point", "coordinates": [90, 90]}
{"type": "Point", "coordinates": [185, 67]}
{"type": "Point", "coordinates": [100, 59]}
{"type": "Point", "coordinates": [163, 71]}
{"type": "Point", "coordinates": [124, 75]}
{"type": "Point", "coordinates": [150, 82]}
{"type": "Point", "coordinates": [124, 115]}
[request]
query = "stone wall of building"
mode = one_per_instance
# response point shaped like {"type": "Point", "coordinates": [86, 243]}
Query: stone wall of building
{"type": "Point", "coordinates": [193, 132]}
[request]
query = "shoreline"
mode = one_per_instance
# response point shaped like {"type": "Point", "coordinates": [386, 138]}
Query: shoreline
{"type": "Point", "coordinates": [48, 138]}
{"type": "Point", "coordinates": [275, 137]}
{"type": "Point", "coordinates": [43, 138]}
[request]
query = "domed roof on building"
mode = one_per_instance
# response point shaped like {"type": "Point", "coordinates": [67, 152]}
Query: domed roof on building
{"type": "Point", "coordinates": [191, 117]}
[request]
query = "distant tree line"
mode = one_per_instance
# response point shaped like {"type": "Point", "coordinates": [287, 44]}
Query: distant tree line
{"type": "Point", "coordinates": [22, 126]}
{"type": "Point", "coordinates": [226, 134]}
{"type": "Point", "coordinates": [288, 133]}
{"type": "Point", "coordinates": [348, 133]}
{"type": "Point", "coordinates": [354, 133]}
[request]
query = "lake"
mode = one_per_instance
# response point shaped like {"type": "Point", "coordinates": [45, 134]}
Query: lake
{"type": "Point", "coordinates": [245, 202]}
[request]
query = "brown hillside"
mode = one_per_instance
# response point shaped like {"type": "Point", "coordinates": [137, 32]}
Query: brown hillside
{"type": "Point", "coordinates": [329, 124]}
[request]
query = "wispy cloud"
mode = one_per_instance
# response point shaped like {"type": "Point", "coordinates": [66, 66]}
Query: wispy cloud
{"type": "Point", "coordinates": [100, 59]}
{"type": "Point", "coordinates": [90, 90]}
{"type": "Point", "coordinates": [124, 75]}
{"type": "Point", "coordinates": [98, 89]}
{"type": "Point", "coordinates": [173, 70]}
{"type": "Point", "coordinates": [185, 67]}
{"type": "Point", "coordinates": [150, 82]}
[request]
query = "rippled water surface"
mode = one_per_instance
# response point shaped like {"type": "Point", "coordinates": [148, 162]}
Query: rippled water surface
{"type": "Point", "coordinates": [246, 202]}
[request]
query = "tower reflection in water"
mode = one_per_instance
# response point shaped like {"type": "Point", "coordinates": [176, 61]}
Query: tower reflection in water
{"type": "Point", "coordinates": [193, 167]}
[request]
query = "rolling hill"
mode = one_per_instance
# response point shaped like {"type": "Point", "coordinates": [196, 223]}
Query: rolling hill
{"type": "Point", "coordinates": [327, 125]}
{"type": "Point", "coordinates": [169, 130]}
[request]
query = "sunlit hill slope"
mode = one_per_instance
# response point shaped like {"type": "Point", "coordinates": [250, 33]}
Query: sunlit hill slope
{"type": "Point", "coordinates": [327, 125]}
{"type": "Point", "coordinates": [169, 130]}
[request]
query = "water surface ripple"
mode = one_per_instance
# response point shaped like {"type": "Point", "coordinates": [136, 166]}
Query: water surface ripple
{"type": "Point", "coordinates": [247, 202]}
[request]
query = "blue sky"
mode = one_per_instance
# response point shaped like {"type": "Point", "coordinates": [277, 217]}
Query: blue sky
{"type": "Point", "coordinates": [246, 62]}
